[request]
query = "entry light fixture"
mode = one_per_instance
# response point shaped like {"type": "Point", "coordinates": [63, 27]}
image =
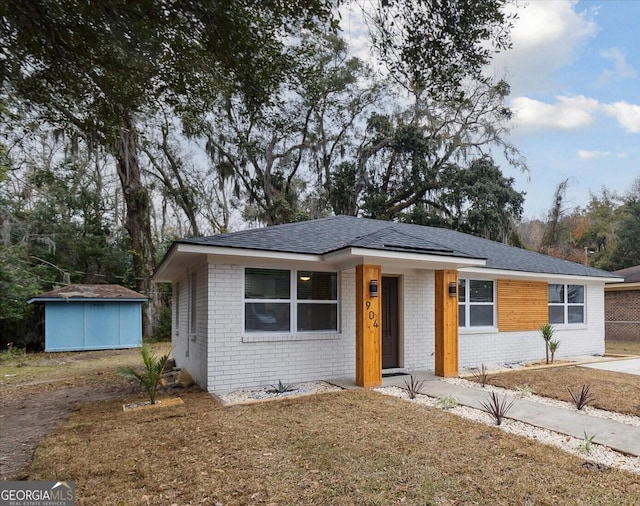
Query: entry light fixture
{"type": "Point", "coordinates": [305, 278]}
{"type": "Point", "coordinates": [373, 288]}
{"type": "Point", "coordinates": [452, 289]}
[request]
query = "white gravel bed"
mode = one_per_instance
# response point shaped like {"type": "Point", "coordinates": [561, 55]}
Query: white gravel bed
{"type": "Point", "coordinates": [308, 388]}
{"type": "Point", "coordinates": [598, 455]}
{"type": "Point", "coordinates": [589, 410]}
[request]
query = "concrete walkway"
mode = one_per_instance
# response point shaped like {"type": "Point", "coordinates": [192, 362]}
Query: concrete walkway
{"type": "Point", "coordinates": [627, 365]}
{"type": "Point", "coordinates": [618, 436]}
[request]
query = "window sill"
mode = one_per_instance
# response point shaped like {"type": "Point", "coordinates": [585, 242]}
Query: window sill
{"type": "Point", "coordinates": [477, 330]}
{"type": "Point", "coordinates": [570, 326]}
{"type": "Point", "coordinates": [312, 336]}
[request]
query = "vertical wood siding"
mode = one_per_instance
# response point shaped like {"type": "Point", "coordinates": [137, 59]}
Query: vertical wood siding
{"type": "Point", "coordinates": [446, 325]}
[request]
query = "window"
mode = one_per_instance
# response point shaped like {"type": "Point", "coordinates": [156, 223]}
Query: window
{"type": "Point", "coordinates": [475, 303]}
{"type": "Point", "coordinates": [566, 304]}
{"type": "Point", "coordinates": [278, 300]}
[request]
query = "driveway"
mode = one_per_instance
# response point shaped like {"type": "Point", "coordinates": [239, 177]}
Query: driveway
{"type": "Point", "coordinates": [629, 366]}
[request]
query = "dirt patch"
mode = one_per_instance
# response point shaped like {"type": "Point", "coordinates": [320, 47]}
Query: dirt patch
{"type": "Point", "coordinates": [26, 422]}
{"type": "Point", "coordinates": [39, 391]}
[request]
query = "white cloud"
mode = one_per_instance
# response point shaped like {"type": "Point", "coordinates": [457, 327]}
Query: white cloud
{"type": "Point", "coordinates": [568, 113]}
{"type": "Point", "coordinates": [626, 114]}
{"type": "Point", "coordinates": [621, 69]}
{"type": "Point", "coordinates": [584, 154]}
{"type": "Point", "coordinates": [545, 38]}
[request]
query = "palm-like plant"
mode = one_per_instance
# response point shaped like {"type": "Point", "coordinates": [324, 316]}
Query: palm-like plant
{"type": "Point", "coordinates": [151, 376]}
{"type": "Point", "coordinates": [547, 333]}
{"type": "Point", "coordinates": [553, 346]}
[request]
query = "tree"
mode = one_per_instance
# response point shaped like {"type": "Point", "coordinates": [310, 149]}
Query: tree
{"type": "Point", "coordinates": [282, 157]}
{"type": "Point", "coordinates": [93, 69]}
{"type": "Point", "coordinates": [437, 45]}
{"type": "Point", "coordinates": [409, 159]}
{"type": "Point", "coordinates": [627, 251]}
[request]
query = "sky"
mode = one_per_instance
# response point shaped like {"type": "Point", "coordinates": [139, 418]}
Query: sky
{"type": "Point", "coordinates": [574, 71]}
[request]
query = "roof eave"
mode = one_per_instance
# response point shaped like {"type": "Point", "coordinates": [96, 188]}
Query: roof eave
{"type": "Point", "coordinates": [536, 275]}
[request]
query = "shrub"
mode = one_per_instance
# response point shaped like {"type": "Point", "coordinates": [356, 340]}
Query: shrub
{"type": "Point", "coordinates": [447, 402]}
{"type": "Point", "coordinates": [582, 397]}
{"type": "Point", "coordinates": [151, 377]}
{"type": "Point", "coordinates": [497, 408]}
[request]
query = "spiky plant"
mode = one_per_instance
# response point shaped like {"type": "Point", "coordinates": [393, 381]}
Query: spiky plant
{"type": "Point", "coordinates": [280, 388]}
{"type": "Point", "coordinates": [151, 376]}
{"type": "Point", "coordinates": [413, 386]}
{"type": "Point", "coordinates": [481, 375]}
{"type": "Point", "coordinates": [582, 397]}
{"type": "Point", "coordinates": [496, 407]}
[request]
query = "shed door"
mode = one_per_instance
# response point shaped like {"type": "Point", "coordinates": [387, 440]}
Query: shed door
{"type": "Point", "coordinates": [390, 333]}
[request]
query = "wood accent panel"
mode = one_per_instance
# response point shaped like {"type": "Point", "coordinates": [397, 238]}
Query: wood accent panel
{"type": "Point", "coordinates": [522, 305]}
{"type": "Point", "coordinates": [368, 327]}
{"type": "Point", "coordinates": [446, 325]}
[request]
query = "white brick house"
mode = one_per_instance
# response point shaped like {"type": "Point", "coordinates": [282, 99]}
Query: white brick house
{"type": "Point", "coordinates": [350, 297]}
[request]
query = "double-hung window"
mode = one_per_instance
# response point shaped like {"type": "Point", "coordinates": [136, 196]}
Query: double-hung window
{"type": "Point", "coordinates": [282, 300]}
{"type": "Point", "coordinates": [566, 304]}
{"type": "Point", "coordinates": [476, 306]}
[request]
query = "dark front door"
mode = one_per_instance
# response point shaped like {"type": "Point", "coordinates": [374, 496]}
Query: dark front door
{"type": "Point", "coordinates": [390, 323]}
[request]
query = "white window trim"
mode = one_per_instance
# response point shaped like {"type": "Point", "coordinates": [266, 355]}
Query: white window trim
{"type": "Point", "coordinates": [566, 304]}
{"type": "Point", "coordinates": [279, 335]}
{"type": "Point", "coordinates": [477, 329]}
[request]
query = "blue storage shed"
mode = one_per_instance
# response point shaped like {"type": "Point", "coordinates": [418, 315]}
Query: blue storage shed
{"type": "Point", "coordinates": [91, 317]}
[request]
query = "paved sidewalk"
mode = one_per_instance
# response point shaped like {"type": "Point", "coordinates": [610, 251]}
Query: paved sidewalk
{"type": "Point", "coordinates": [617, 436]}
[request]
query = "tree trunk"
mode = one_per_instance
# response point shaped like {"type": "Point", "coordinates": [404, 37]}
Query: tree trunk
{"type": "Point", "coordinates": [137, 220]}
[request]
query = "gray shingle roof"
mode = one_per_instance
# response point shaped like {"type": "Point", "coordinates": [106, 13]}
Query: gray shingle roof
{"type": "Point", "coordinates": [630, 274]}
{"type": "Point", "coordinates": [337, 232]}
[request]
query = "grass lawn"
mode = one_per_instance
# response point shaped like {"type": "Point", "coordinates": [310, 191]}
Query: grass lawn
{"type": "Point", "coordinates": [614, 391]}
{"type": "Point", "coordinates": [353, 447]}
{"type": "Point", "coordinates": [25, 374]}
{"type": "Point", "coordinates": [622, 347]}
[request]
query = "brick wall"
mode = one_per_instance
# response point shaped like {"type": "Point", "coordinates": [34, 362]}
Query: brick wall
{"type": "Point", "coordinates": [246, 361]}
{"type": "Point", "coordinates": [622, 315]}
{"type": "Point", "coordinates": [238, 360]}
{"type": "Point", "coordinates": [190, 349]}
{"type": "Point", "coordinates": [418, 300]}
{"type": "Point", "coordinates": [476, 348]}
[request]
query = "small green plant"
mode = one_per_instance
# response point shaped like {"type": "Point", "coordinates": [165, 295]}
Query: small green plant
{"type": "Point", "coordinates": [524, 390]}
{"type": "Point", "coordinates": [547, 333]}
{"type": "Point", "coordinates": [12, 353]}
{"type": "Point", "coordinates": [447, 402]}
{"type": "Point", "coordinates": [280, 388]}
{"type": "Point", "coordinates": [553, 346]}
{"type": "Point", "coordinates": [496, 407]}
{"type": "Point", "coordinates": [582, 397]}
{"type": "Point", "coordinates": [151, 377]}
{"type": "Point", "coordinates": [587, 442]}
{"type": "Point", "coordinates": [413, 386]}
{"type": "Point", "coordinates": [481, 375]}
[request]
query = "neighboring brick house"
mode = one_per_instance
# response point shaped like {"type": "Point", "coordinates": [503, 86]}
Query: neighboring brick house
{"type": "Point", "coordinates": [346, 297]}
{"type": "Point", "coordinates": [622, 306]}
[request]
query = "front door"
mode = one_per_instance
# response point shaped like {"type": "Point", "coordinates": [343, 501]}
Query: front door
{"type": "Point", "coordinates": [390, 333]}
